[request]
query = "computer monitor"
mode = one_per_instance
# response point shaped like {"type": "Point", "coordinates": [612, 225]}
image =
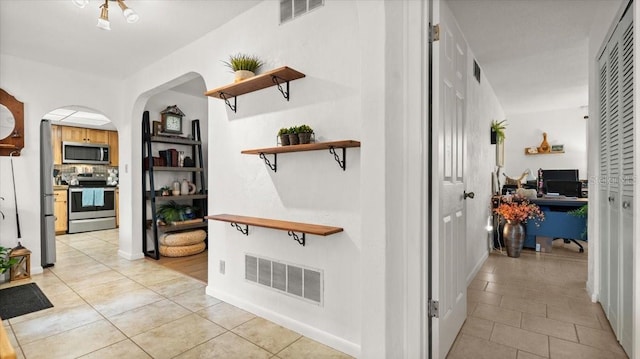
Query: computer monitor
{"type": "Point", "coordinates": [558, 175]}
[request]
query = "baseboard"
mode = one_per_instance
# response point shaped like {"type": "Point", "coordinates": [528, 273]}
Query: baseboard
{"type": "Point", "coordinates": [592, 293]}
{"type": "Point", "coordinates": [302, 328]}
{"type": "Point", "coordinates": [129, 256]}
{"type": "Point", "coordinates": [477, 267]}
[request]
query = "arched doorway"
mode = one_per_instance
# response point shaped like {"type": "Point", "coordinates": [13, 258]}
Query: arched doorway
{"type": "Point", "coordinates": [79, 157]}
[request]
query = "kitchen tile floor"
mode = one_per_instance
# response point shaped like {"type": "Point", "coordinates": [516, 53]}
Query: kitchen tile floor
{"type": "Point", "coordinates": [109, 307]}
{"type": "Point", "coordinates": [535, 306]}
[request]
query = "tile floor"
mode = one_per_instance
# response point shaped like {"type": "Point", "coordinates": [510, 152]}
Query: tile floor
{"type": "Point", "coordinates": [109, 307]}
{"type": "Point", "coordinates": [535, 306]}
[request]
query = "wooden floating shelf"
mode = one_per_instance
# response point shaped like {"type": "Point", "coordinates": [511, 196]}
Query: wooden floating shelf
{"type": "Point", "coordinates": [542, 153]}
{"type": "Point", "coordinates": [291, 227]}
{"type": "Point", "coordinates": [278, 77]}
{"type": "Point", "coordinates": [331, 146]}
{"type": "Point", "coordinates": [256, 83]}
{"type": "Point", "coordinates": [302, 148]}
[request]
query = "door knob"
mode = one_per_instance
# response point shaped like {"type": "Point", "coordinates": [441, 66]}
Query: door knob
{"type": "Point", "coordinates": [611, 199]}
{"type": "Point", "coordinates": [626, 204]}
{"type": "Point", "coordinates": [468, 195]}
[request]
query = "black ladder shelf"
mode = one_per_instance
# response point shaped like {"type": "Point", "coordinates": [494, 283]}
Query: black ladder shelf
{"type": "Point", "coordinates": [149, 193]}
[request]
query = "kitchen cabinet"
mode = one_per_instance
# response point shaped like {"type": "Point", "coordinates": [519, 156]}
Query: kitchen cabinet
{"type": "Point", "coordinates": [113, 148]}
{"type": "Point", "coordinates": [56, 139]}
{"type": "Point", "coordinates": [60, 210]}
{"type": "Point", "coordinates": [88, 135]}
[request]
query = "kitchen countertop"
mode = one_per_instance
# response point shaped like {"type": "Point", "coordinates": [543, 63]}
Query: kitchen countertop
{"type": "Point", "coordinates": [60, 187]}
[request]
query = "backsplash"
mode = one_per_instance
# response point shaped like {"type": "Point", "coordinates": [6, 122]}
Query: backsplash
{"type": "Point", "coordinates": [66, 172]}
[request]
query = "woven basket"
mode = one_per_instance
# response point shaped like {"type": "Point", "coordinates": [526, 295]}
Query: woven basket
{"type": "Point", "coordinates": [183, 238]}
{"type": "Point", "coordinates": [182, 251]}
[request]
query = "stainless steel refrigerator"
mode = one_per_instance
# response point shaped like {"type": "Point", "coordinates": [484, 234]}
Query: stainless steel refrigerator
{"type": "Point", "coordinates": [47, 218]}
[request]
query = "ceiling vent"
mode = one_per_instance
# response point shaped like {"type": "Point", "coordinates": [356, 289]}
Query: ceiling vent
{"type": "Point", "coordinates": [292, 9]}
{"type": "Point", "coordinates": [291, 279]}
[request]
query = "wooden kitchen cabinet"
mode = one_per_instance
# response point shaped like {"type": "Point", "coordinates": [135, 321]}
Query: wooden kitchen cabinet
{"type": "Point", "coordinates": [113, 148]}
{"type": "Point", "coordinates": [60, 210]}
{"type": "Point", "coordinates": [88, 135]}
{"type": "Point", "coordinates": [56, 139]}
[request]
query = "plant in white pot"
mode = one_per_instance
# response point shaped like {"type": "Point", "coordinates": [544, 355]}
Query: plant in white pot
{"type": "Point", "coordinates": [244, 66]}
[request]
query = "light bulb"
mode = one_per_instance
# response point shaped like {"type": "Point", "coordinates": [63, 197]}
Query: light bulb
{"type": "Point", "coordinates": [103, 24]}
{"type": "Point", "coordinates": [131, 16]}
{"type": "Point", "coordinates": [103, 20]}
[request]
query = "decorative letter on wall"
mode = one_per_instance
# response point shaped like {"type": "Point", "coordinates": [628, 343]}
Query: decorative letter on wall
{"type": "Point", "coordinates": [11, 124]}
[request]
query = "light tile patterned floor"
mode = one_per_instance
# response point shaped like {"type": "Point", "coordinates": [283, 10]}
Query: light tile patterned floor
{"type": "Point", "coordinates": [535, 306]}
{"type": "Point", "coordinates": [109, 307]}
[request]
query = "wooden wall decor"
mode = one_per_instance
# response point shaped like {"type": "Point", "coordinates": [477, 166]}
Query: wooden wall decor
{"type": "Point", "coordinates": [14, 141]}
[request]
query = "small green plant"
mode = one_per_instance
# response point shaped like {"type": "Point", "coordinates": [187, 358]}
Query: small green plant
{"type": "Point", "coordinates": [283, 131]}
{"type": "Point", "coordinates": [243, 62]}
{"type": "Point", "coordinates": [173, 212]}
{"type": "Point", "coordinates": [293, 130]}
{"type": "Point", "coordinates": [498, 128]}
{"type": "Point", "coordinates": [305, 129]}
{"type": "Point", "coordinates": [581, 212]}
{"type": "Point", "coordinates": [5, 261]}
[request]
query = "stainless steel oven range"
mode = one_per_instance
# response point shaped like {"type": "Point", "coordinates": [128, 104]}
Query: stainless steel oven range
{"type": "Point", "coordinates": [86, 211]}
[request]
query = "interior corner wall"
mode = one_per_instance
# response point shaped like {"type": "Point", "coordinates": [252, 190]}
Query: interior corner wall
{"type": "Point", "coordinates": [563, 127]}
{"type": "Point", "coordinates": [482, 108]}
{"type": "Point", "coordinates": [42, 88]}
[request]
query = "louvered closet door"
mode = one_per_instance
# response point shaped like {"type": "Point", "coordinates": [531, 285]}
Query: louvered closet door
{"type": "Point", "coordinates": [616, 171]}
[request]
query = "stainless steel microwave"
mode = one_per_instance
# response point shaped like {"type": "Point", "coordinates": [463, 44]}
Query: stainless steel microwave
{"type": "Point", "coordinates": [80, 152]}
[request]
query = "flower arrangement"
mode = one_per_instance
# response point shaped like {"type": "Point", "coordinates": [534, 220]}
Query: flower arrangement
{"type": "Point", "coordinates": [517, 209]}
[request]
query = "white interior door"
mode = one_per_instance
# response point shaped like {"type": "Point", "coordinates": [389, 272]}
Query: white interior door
{"type": "Point", "coordinates": [615, 212]}
{"type": "Point", "coordinates": [449, 242]}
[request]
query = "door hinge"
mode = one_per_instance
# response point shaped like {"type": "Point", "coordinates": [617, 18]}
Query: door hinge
{"type": "Point", "coordinates": [434, 33]}
{"type": "Point", "coordinates": [433, 309]}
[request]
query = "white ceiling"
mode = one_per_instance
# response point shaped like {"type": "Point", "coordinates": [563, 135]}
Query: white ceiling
{"type": "Point", "coordinates": [534, 52]}
{"type": "Point", "coordinates": [59, 33]}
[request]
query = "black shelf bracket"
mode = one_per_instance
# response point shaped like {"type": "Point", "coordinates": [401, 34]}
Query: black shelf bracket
{"type": "Point", "coordinates": [342, 163]}
{"type": "Point", "coordinates": [226, 100]}
{"type": "Point", "coordinates": [278, 83]}
{"type": "Point", "coordinates": [244, 230]}
{"type": "Point", "coordinates": [273, 166]}
{"type": "Point", "coordinates": [301, 240]}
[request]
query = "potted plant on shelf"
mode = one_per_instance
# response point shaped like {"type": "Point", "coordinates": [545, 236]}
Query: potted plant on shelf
{"type": "Point", "coordinates": [497, 131]}
{"type": "Point", "coordinates": [284, 136]}
{"type": "Point", "coordinates": [174, 213]}
{"type": "Point", "coordinates": [244, 66]}
{"type": "Point", "coordinates": [304, 134]}
{"type": "Point", "coordinates": [293, 136]}
{"type": "Point", "coordinates": [165, 191]}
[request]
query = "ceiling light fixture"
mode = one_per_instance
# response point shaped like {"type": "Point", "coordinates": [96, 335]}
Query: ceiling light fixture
{"type": "Point", "coordinates": [103, 21]}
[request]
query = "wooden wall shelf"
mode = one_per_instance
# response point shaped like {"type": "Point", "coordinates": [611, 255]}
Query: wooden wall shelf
{"type": "Point", "coordinates": [278, 77]}
{"type": "Point", "coordinates": [290, 227]}
{"type": "Point", "coordinates": [542, 153]}
{"type": "Point", "coordinates": [331, 146]}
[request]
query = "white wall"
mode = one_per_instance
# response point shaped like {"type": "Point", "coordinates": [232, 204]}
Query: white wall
{"type": "Point", "coordinates": [308, 187]}
{"type": "Point", "coordinates": [563, 127]}
{"type": "Point", "coordinates": [42, 88]}
{"type": "Point", "coordinates": [482, 108]}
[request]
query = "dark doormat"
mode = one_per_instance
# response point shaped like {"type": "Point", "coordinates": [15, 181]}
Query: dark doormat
{"type": "Point", "coordinates": [21, 300]}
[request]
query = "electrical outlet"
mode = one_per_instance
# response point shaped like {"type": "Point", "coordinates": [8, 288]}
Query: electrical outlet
{"type": "Point", "coordinates": [222, 267]}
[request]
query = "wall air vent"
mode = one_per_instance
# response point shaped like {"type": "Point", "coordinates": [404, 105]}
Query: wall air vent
{"type": "Point", "coordinates": [292, 9]}
{"type": "Point", "coordinates": [476, 70]}
{"type": "Point", "coordinates": [294, 280]}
